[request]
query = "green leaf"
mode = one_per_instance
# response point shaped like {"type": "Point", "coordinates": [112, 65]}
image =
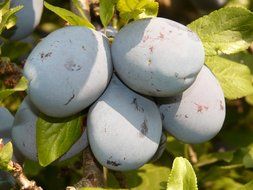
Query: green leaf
{"type": "Point", "coordinates": [137, 9]}
{"type": "Point", "coordinates": [92, 188]}
{"type": "Point", "coordinates": [7, 15]}
{"type": "Point", "coordinates": [150, 176]}
{"type": "Point", "coordinates": [226, 183]}
{"type": "Point", "coordinates": [9, 49]}
{"type": "Point", "coordinates": [239, 3]}
{"type": "Point", "coordinates": [5, 156]}
{"type": "Point", "coordinates": [21, 86]}
{"type": "Point", "coordinates": [182, 176]}
{"type": "Point", "coordinates": [69, 17]}
{"type": "Point", "coordinates": [78, 9]}
{"type": "Point", "coordinates": [227, 30]}
{"type": "Point", "coordinates": [54, 137]}
{"type": "Point", "coordinates": [248, 158]}
{"type": "Point", "coordinates": [106, 11]}
{"type": "Point", "coordinates": [234, 77]}
{"type": "Point", "coordinates": [248, 186]}
{"type": "Point", "coordinates": [32, 168]}
{"type": "Point", "coordinates": [249, 99]}
{"type": "Point", "coordinates": [174, 147]}
{"type": "Point", "coordinates": [215, 157]}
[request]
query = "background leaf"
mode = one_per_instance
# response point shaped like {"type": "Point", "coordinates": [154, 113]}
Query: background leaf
{"type": "Point", "coordinates": [69, 16]}
{"type": "Point", "coordinates": [234, 78]}
{"type": "Point", "coordinates": [137, 9]}
{"type": "Point", "coordinates": [5, 156]}
{"type": "Point", "coordinates": [21, 86]}
{"type": "Point", "coordinates": [7, 15]}
{"type": "Point", "coordinates": [182, 176]}
{"type": "Point", "coordinates": [227, 30]}
{"type": "Point", "coordinates": [106, 10]}
{"type": "Point", "coordinates": [55, 137]}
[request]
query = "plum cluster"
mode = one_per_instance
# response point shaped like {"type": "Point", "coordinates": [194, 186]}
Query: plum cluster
{"type": "Point", "coordinates": [152, 77]}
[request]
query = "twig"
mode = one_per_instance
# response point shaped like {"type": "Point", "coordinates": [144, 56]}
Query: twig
{"type": "Point", "coordinates": [21, 179]}
{"type": "Point", "coordinates": [251, 48]}
{"type": "Point", "coordinates": [19, 176]}
{"type": "Point", "coordinates": [92, 171]}
{"type": "Point", "coordinates": [105, 174]}
{"type": "Point", "coordinates": [192, 155]}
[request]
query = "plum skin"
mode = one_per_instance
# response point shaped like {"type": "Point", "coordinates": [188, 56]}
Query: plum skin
{"type": "Point", "coordinates": [196, 115]}
{"type": "Point", "coordinates": [25, 126]}
{"type": "Point", "coordinates": [6, 121]}
{"type": "Point", "coordinates": [64, 68]}
{"type": "Point", "coordinates": [124, 128]}
{"type": "Point", "coordinates": [157, 57]}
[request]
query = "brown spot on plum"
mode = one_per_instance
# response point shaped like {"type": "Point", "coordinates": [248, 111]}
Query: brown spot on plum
{"type": "Point", "coordinates": [83, 48]}
{"type": "Point", "coordinates": [144, 128]}
{"type": "Point", "coordinates": [70, 66]}
{"type": "Point", "coordinates": [145, 38]}
{"type": "Point", "coordinates": [137, 106]}
{"type": "Point", "coordinates": [221, 106]}
{"type": "Point", "coordinates": [151, 49]}
{"type": "Point", "coordinates": [161, 35]}
{"type": "Point", "coordinates": [149, 61]}
{"type": "Point", "coordinates": [70, 99]}
{"type": "Point", "coordinates": [201, 108]}
{"type": "Point", "coordinates": [45, 55]}
{"type": "Point", "coordinates": [113, 163]}
{"type": "Point", "coordinates": [124, 158]}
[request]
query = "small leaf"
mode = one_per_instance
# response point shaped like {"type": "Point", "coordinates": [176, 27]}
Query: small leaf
{"type": "Point", "coordinates": [69, 17]}
{"type": "Point", "coordinates": [228, 30]}
{"type": "Point", "coordinates": [234, 77]}
{"type": "Point", "coordinates": [137, 9]}
{"type": "Point", "coordinates": [106, 11]}
{"type": "Point", "coordinates": [5, 156]}
{"type": "Point", "coordinates": [21, 86]}
{"type": "Point", "coordinates": [54, 137]}
{"type": "Point", "coordinates": [182, 176]}
{"type": "Point", "coordinates": [7, 16]}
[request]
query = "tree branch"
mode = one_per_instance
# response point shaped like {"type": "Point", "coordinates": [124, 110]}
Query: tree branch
{"type": "Point", "coordinates": [92, 171]}
{"type": "Point", "coordinates": [19, 176]}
